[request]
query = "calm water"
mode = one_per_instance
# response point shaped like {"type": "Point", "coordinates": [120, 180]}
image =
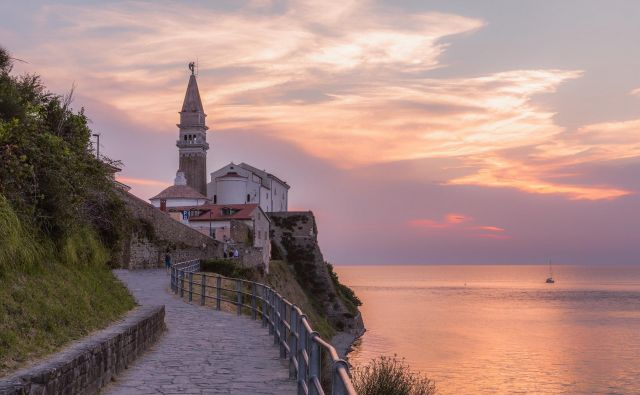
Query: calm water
{"type": "Point", "coordinates": [505, 331]}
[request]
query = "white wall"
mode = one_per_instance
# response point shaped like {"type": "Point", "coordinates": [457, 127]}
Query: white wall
{"type": "Point", "coordinates": [269, 193]}
{"type": "Point", "coordinates": [231, 191]}
{"type": "Point", "coordinates": [179, 202]}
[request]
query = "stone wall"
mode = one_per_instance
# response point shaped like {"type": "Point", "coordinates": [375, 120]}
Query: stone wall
{"type": "Point", "coordinates": [91, 363]}
{"type": "Point", "coordinates": [155, 234]}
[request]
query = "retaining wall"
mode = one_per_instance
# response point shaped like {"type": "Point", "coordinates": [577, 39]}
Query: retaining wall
{"type": "Point", "coordinates": [90, 364]}
{"type": "Point", "coordinates": [155, 234]}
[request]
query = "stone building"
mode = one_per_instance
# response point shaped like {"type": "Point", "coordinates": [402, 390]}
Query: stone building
{"type": "Point", "coordinates": [241, 194]}
{"type": "Point", "coordinates": [237, 226]}
{"type": "Point", "coordinates": [192, 139]}
{"type": "Point", "coordinates": [245, 184]}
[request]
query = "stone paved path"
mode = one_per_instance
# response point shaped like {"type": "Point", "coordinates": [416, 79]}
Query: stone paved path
{"type": "Point", "coordinates": [203, 351]}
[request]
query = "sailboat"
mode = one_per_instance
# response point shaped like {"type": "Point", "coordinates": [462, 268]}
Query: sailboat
{"type": "Point", "coordinates": [550, 279]}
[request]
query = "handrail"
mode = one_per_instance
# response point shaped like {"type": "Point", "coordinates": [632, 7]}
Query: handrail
{"type": "Point", "coordinates": [290, 328]}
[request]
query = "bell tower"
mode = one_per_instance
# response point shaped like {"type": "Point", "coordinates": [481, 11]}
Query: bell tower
{"type": "Point", "coordinates": [192, 140]}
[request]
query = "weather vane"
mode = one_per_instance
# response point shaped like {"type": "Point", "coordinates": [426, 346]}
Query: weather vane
{"type": "Point", "coordinates": [192, 67]}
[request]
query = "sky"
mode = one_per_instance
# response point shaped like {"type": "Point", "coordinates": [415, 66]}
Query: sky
{"type": "Point", "coordinates": [418, 132]}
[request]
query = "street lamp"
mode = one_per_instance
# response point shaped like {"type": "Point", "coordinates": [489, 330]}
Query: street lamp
{"type": "Point", "coordinates": [97, 136]}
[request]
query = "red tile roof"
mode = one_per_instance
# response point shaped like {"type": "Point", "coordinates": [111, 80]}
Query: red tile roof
{"type": "Point", "coordinates": [179, 192]}
{"type": "Point", "coordinates": [218, 212]}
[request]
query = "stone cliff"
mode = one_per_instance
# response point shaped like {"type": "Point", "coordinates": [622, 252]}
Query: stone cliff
{"type": "Point", "coordinates": [294, 239]}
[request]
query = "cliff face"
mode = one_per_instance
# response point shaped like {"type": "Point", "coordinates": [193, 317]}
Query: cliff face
{"type": "Point", "coordinates": [294, 238]}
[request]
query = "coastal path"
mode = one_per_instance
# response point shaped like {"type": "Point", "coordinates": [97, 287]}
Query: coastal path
{"type": "Point", "coordinates": [204, 351]}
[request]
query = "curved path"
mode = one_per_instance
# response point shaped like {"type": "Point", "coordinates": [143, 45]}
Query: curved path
{"type": "Point", "coordinates": [203, 351]}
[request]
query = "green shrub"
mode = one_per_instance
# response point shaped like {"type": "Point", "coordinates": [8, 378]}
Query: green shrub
{"type": "Point", "coordinates": [228, 268]}
{"type": "Point", "coordinates": [60, 217]}
{"type": "Point", "coordinates": [390, 376]}
{"type": "Point", "coordinates": [349, 297]}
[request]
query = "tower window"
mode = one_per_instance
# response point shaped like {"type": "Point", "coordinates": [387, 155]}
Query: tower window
{"type": "Point", "coordinates": [248, 198]}
{"type": "Point", "coordinates": [215, 199]}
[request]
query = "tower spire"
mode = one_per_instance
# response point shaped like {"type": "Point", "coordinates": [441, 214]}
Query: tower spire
{"type": "Point", "coordinates": [192, 140]}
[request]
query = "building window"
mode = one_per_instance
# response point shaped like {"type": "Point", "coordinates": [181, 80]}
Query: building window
{"type": "Point", "coordinates": [248, 198]}
{"type": "Point", "coordinates": [215, 199]}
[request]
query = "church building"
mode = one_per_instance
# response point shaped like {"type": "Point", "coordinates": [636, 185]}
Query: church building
{"type": "Point", "coordinates": [233, 208]}
{"type": "Point", "coordinates": [245, 184]}
{"type": "Point", "coordinates": [232, 184]}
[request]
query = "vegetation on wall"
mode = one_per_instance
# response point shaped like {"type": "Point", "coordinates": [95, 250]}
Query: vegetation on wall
{"type": "Point", "coordinates": [349, 297]}
{"type": "Point", "coordinates": [60, 221]}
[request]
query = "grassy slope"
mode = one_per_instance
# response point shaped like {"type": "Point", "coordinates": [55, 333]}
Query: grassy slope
{"type": "Point", "coordinates": [283, 279]}
{"type": "Point", "coordinates": [44, 303]}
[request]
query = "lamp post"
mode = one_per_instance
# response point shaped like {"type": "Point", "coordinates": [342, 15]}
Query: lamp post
{"type": "Point", "coordinates": [97, 136]}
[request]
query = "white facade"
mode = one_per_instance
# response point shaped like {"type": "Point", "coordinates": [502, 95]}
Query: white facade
{"type": "Point", "coordinates": [245, 184]}
{"type": "Point", "coordinates": [178, 195]}
{"type": "Point", "coordinates": [179, 202]}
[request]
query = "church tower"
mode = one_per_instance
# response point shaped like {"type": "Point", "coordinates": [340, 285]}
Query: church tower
{"type": "Point", "coordinates": [192, 140]}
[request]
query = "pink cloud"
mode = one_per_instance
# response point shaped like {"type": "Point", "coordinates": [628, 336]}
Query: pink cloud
{"type": "Point", "coordinates": [143, 182]}
{"type": "Point", "coordinates": [488, 228]}
{"type": "Point", "coordinates": [453, 222]}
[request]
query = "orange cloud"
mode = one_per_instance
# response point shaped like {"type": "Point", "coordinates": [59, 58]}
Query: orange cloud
{"type": "Point", "coordinates": [142, 182]}
{"type": "Point", "coordinates": [343, 80]}
{"type": "Point", "coordinates": [453, 222]}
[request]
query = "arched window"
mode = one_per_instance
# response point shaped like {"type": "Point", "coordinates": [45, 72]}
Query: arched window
{"type": "Point", "coordinates": [248, 198]}
{"type": "Point", "coordinates": [215, 199]}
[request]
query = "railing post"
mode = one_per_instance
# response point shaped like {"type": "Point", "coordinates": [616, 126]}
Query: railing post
{"type": "Point", "coordinates": [283, 328]}
{"type": "Point", "coordinates": [264, 305]}
{"type": "Point", "coordinates": [270, 321]}
{"type": "Point", "coordinates": [203, 288]}
{"type": "Point", "coordinates": [293, 344]}
{"type": "Point", "coordinates": [190, 286]}
{"type": "Point", "coordinates": [218, 286]}
{"type": "Point", "coordinates": [173, 279]}
{"type": "Point", "coordinates": [181, 275]}
{"type": "Point", "coordinates": [253, 300]}
{"type": "Point", "coordinates": [276, 328]}
{"type": "Point", "coordinates": [239, 296]}
{"type": "Point", "coordinates": [337, 386]}
{"type": "Point", "coordinates": [315, 363]}
{"type": "Point", "coordinates": [302, 346]}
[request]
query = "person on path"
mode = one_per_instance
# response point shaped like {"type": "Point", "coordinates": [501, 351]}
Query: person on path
{"type": "Point", "coordinates": [235, 253]}
{"type": "Point", "coordinates": [167, 262]}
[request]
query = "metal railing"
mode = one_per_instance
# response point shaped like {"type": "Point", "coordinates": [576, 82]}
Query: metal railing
{"type": "Point", "coordinates": [291, 330]}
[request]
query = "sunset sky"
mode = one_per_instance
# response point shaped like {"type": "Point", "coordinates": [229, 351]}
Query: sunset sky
{"type": "Point", "coordinates": [416, 131]}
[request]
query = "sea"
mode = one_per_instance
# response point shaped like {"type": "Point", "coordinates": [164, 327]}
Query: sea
{"type": "Point", "coordinates": [500, 329]}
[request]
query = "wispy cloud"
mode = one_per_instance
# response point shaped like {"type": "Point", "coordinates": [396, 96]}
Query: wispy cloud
{"type": "Point", "coordinates": [143, 182]}
{"type": "Point", "coordinates": [461, 225]}
{"type": "Point", "coordinates": [346, 81]}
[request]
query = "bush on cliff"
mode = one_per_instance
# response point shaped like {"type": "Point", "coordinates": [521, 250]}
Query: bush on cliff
{"type": "Point", "coordinates": [390, 375]}
{"type": "Point", "coordinates": [59, 219]}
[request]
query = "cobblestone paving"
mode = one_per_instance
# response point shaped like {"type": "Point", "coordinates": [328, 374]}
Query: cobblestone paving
{"type": "Point", "coordinates": [203, 351]}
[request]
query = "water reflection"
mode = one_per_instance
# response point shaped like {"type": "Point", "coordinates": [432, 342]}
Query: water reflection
{"type": "Point", "coordinates": [505, 331]}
